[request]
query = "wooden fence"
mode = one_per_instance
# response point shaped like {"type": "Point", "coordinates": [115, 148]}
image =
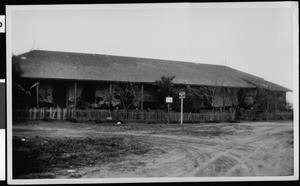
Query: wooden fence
{"type": "Point", "coordinates": [118, 115]}
{"type": "Point", "coordinates": [139, 116]}
{"type": "Point", "coordinates": [268, 116]}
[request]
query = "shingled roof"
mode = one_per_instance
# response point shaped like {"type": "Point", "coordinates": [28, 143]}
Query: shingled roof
{"type": "Point", "coordinates": [39, 64]}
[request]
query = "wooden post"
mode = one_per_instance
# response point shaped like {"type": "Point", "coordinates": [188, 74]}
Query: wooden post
{"type": "Point", "coordinates": [169, 119]}
{"type": "Point", "coordinates": [110, 88]}
{"type": "Point", "coordinates": [276, 106]}
{"type": "Point", "coordinates": [75, 95]}
{"type": "Point", "coordinates": [111, 96]}
{"type": "Point", "coordinates": [181, 114]}
{"type": "Point", "coordinates": [142, 97]}
{"type": "Point", "coordinates": [67, 97]}
{"type": "Point", "coordinates": [223, 98]}
{"type": "Point", "coordinates": [37, 95]}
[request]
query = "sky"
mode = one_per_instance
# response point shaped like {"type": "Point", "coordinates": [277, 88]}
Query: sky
{"type": "Point", "coordinates": [256, 38]}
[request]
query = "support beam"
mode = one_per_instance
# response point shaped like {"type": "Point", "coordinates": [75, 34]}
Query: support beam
{"type": "Point", "coordinates": [276, 103]}
{"type": "Point", "coordinates": [67, 97]}
{"type": "Point", "coordinates": [37, 95]}
{"type": "Point", "coordinates": [142, 97]}
{"type": "Point", "coordinates": [110, 88]}
{"type": "Point", "coordinates": [75, 95]}
{"type": "Point", "coordinates": [223, 97]}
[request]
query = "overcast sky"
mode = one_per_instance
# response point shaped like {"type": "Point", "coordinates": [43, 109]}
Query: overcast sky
{"type": "Point", "coordinates": [252, 37]}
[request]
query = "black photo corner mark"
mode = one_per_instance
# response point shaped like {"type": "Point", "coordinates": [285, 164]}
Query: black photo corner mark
{"type": "Point", "coordinates": [2, 56]}
{"type": "Point", "coordinates": [2, 106]}
{"type": "Point", "coordinates": [2, 49]}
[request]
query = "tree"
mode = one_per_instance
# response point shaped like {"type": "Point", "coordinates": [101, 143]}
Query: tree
{"type": "Point", "coordinates": [127, 93]}
{"type": "Point", "coordinates": [165, 87]}
{"type": "Point", "coordinates": [194, 100]}
{"type": "Point", "coordinates": [289, 106]}
{"type": "Point", "coordinates": [210, 92]}
{"type": "Point", "coordinates": [21, 90]}
{"type": "Point", "coordinates": [265, 100]}
{"type": "Point", "coordinates": [232, 94]}
{"type": "Point", "coordinates": [16, 69]}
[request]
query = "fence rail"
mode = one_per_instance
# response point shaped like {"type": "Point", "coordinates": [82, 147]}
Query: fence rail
{"type": "Point", "coordinates": [122, 115]}
{"type": "Point", "coordinates": [136, 116]}
{"type": "Point", "coordinates": [268, 116]}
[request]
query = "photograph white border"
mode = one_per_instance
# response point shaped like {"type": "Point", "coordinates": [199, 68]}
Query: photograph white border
{"type": "Point", "coordinates": [10, 180]}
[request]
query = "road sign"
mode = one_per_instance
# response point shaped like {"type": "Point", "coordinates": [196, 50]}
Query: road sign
{"type": "Point", "coordinates": [181, 95]}
{"type": "Point", "coordinates": [169, 100]}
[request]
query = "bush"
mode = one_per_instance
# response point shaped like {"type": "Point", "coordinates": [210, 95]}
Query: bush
{"type": "Point", "coordinates": [72, 120]}
{"type": "Point", "coordinates": [98, 121]}
{"type": "Point", "coordinates": [213, 121]}
{"type": "Point", "coordinates": [192, 121]}
{"type": "Point", "coordinates": [47, 119]}
{"type": "Point", "coordinates": [152, 122]}
{"type": "Point", "coordinates": [233, 121]}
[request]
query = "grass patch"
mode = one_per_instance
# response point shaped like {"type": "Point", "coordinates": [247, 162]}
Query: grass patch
{"type": "Point", "coordinates": [35, 157]}
{"type": "Point", "coordinates": [213, 132]}
{"type": "Point", "coordinates": [220, 130]}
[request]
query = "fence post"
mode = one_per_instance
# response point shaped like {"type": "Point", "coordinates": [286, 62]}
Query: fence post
{"type": "Point", "coordinates": [148, 113]}
{"type": "Point", "coordinates": [29, 113]}
{"type": "Point", "coordinates": [58, 113]}
{"type": "Point", "coordinates": [34, 113]}
{"type": "Point", "coordinates": [64, 114]}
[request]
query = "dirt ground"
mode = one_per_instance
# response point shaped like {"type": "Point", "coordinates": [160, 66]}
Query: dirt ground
{"type": "Point", "coordinates": [188, 150]}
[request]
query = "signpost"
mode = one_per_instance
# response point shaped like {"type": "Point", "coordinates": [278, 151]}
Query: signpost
{"type": "Point", "coordinates": [181, 96]}
{"type": "Point", "coordinates": [168, 101]}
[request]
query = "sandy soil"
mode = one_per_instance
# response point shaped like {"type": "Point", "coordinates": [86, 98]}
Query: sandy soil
{"type": "Point", "coordinates": [254, 149]}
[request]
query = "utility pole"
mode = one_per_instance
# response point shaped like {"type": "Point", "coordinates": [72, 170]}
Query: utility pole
{"type": "Point", "coordinates": [181, 115]}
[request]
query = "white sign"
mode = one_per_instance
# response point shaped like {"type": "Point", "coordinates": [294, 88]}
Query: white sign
{"type": "Point", "coordinates": [181, 95]}
{"type": "Point", "coordinates": [169, 100]}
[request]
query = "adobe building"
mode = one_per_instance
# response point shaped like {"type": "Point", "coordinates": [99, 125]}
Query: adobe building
{"type": "Point", "coordinates": [61, 76]}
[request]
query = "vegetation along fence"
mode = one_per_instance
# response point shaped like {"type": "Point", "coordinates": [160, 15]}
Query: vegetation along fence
{"type": "Point", "coordinates": [118, 115]}
{"type": "Point", "coordinates": [267, 116]}
{"type": "Point", "coordinates": [139, 116]}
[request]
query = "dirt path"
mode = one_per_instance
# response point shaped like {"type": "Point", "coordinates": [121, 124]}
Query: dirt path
{"type": "Point", "coordinates": [265, 151]}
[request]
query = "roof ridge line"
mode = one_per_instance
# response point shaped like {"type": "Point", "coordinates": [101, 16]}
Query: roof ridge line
{"type": "Point", "coordinates": [148, 58]}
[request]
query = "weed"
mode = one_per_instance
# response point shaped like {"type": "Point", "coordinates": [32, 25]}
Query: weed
{"type": "Point", "coordinates": [37, 155]}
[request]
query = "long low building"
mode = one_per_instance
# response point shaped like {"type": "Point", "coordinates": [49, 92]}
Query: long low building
{"type": "Point", "coordinates": [62, 76]}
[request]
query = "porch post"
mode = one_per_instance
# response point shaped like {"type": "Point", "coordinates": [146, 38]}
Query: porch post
{"type": "Point", "coordinates": [276, 107]}
{"type": "Point", "coordinates": [37, 95]}
{"type": "Point", "coordinates": [75, 95]}
{"type": "Point", "coordinates": [142, 97]}
{"type": "Point", "coordinates": [67, 97]}
{"type": "Point", "coordinates": [223, 98]}
{"type": "Point", "coordinates": [111, 96]}
{"type": "Point", "coordinates": [110, 88]}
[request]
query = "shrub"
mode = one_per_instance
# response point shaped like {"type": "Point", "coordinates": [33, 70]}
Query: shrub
{"type": "Point", "coordinates": [98, 121]}
{"type": "Point", "coordinates": [213, 121]}
{"type": "Point", "coordinates": [72, 120]}
{"type": "Point", "coordinates": [47, 119]}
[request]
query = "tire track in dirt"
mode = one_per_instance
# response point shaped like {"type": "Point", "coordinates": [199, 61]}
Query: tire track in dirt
{"type": "Point", "coordinates": [243, 158]}
{"type": "Point", "coordinates": [266, 151]}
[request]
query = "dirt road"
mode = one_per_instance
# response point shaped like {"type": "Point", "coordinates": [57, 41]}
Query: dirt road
{"type": "Point", "coordinates": [247, 149]}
